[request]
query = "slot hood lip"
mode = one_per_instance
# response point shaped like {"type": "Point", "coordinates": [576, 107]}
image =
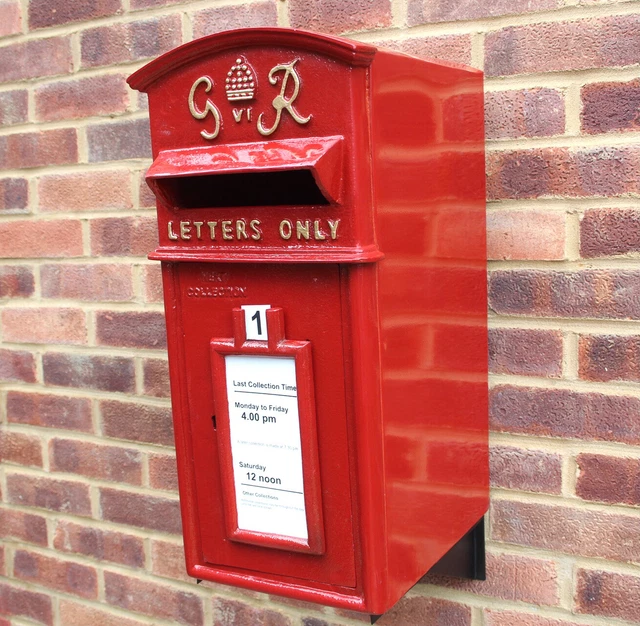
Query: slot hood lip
{"type": "Point", "coordinates": [322, 156]}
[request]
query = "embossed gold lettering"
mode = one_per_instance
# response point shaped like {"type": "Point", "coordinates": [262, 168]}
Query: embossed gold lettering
{"type": "Point", "coordinates": [333, 227]}
{"type": "Point", "coordinates": [254, 225]}
{"type": "Point", "coordinates": [185, 230]}
{"type": "Point", "coordinates": [198, 226]}
{"type": "Point", "coordinates": [241, 231]}
{"type": "Point", "coordinates": [317, 231]}
{"type": "Point", "coordinates": [281, 102]}
{"type": "Point", "coordinates": [172, 235]}
{"type": "Point", "coordinates": [286, 229]}
{"type": "Point", "coordinates": [212, 229]}
{"type": "Point", "coordinates": [302, 229]}
{"type": "Point", "coordinates": [209, 107]}
{"type": "Point", "coordinates": [227, 230]}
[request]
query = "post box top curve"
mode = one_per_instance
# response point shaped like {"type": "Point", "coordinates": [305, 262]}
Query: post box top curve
{"type": "Point", "coordinates": [350, 52]}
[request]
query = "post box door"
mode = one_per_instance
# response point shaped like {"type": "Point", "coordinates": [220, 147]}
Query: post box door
{"type": "Point", "coordinates": [311, 299]}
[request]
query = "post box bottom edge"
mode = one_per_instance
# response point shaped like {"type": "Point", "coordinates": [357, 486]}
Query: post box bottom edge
{"type": "Point", "coordinates": [346, 598]}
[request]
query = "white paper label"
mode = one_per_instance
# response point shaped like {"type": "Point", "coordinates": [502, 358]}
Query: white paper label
{"type": "Point", "coordinates": [255, 321]}
{"type": "Point", "coordinates": [265, 444]}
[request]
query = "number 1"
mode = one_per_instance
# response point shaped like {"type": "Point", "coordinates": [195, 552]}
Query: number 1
{"type": "Point", "coordinates": [256, 317]}
{"type": "Point", "coordinates": [258, 331]}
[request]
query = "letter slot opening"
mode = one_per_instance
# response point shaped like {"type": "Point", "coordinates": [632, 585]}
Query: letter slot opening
{"type": "Point", "coordinates": [294, 172]}
{"type": "Point", "coordinates": [293, 187]}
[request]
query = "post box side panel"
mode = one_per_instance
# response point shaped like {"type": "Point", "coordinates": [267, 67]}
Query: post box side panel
{"type": "Point", "coordinates": [427, 125]}
{"type": "Point", "coordinates": [292, 95]}
{"type": "Point", "coordinates": [310, 296]}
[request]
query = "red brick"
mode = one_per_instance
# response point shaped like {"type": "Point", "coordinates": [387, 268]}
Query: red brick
{"type": "Point", "coordinates": [535, 112]}
{"type": "Point", "coordinates": [162, 601]}
{"type": "Point", "coordinates": [168, 561]}
{"type": "Point", "coordinates": [38, 239]}
{"type": "Point", "coordinates": [49, 411]}
{"type": "Point", "coordinates": [156, 377]}
{"type": "Point", "coordinates": [163, 473]}
{"type": "Point", "coordinates": [81, 615]}
{"type": "Point", "coordinates": [20, 448]}
{"type": "Point", "coordinates": [3, 572]}
{"type": "Point", "coordinates": [452, 48]}
{"type": "Point", "coordinates": [13, 104]}
{"type": "Point", "coordinates": [609, 594]}
{"type": "Point", "coordinates": [35, 59]}
{"type": "Point", "coordinates": [11, 19]}
{"type": "Point", "coordinates": [525, 352]}
{"type": "Point", "coordinates": [525, 470]}
{"type": "Point", "coordinates": [73, 578]}
{"type": "Point", "coordinates": [552, 172]}
{"type": "Point", "coordinates": [124, 236]}
{"type": "Point", "coordinates": [147, 4]}
{"type": "Point", "coordinates": [43, 13]}
{"type": "Point", "coordinates": [14, 193]}
{"type": "Point", "coordinates": [595, 294]}
{"type": "Point", "coordinates": [16, 281]}
{"type": "Point", "coordinates": [525, 235]}
{"type": "Point", "coordinates": [425, 11]}
{"type": "Point", "coordinates": [431, 611]}
{"type": "Point", "coordinates": [610, 107]}
{"type": "Point", "coordinates": [609, 232]}
{"type": "Point", "coordinates": [140, 510]}
{"type": "Point", "coordinates": [510, 577]}
{"type": "Point", "coordinates": [23, 526]}
{"type": "Point", "coordinates": [137, 422]}
{"type": "Point", "coordinates": [233, 613]}
{"type": "Point", "coordinates": [611, 479]}
{"type": "Point", "coordinates": [97, 95]}
{"type": "Point", "coordinates": [564, 413]}
{"type": "Point", "coordinates": [108, 373]}
{"type": "Point", "coordinates": [511, 618]}
{"type": "Point", "coordinates": [152, 278]}
{"type": "Point", "coordinates": [127, 139]}
{"type": "Point", "coordinates": [97, 282]}
{"type": "Point", "coordinates": [86, 191]}
{"type": "Point", "coordinates": [93, 461]}
{"type": "Point", "coordinates": [103, 545]}
{"type": "Point", "coordinates": [567, 530]}
{"type": "Point", "coordinates": [30, 604]}
{"type": "Point", "coordinates": [334, 16]}
{"type": "Point", "coordinates": [46, 493]}
{"type": "Point", "coordinates": [16, 365]}
{"type": "Point", "coordinates": [147, 198]}
{"type": "Point", "coordinates": [236, 16]}
{"type": "Point", "coordinates": [119, 43]}
{"type": "Point", "coordinates": [42, 148]}
{"type": "Point", "coordinates": [560, 46]}
{"type": "Point", "coordinates": [131, 329]}
{"type": "Point", "coordinates": [40, 325]}
{"type": "Point", "coordinates": [306, 621]}
{"type": "Point", "coordinates": [609, 357]}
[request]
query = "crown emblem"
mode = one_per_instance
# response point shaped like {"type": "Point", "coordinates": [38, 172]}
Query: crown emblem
{"type": "Point", "coordinates": [240, 82]}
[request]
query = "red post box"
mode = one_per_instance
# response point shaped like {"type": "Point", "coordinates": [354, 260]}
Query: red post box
{"type": "Point", "coordinates": [322, 238]}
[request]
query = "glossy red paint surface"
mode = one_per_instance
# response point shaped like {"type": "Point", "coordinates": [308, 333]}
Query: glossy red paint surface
{"type": "Point", "coordinates": [346, 191]}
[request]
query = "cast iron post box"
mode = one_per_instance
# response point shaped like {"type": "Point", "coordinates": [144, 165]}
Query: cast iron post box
{"type": "Point", "coordinates": [321, 222]}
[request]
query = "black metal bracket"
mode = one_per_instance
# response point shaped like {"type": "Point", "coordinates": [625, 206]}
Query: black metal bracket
{"type": "Point", "coordinates": [466, 559]}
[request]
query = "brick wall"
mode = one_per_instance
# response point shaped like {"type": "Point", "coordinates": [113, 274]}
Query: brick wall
{"type": "Point", "coordinates": [89, 509]}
